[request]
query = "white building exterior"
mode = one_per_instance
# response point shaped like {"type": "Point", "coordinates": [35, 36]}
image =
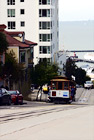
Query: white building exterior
{"type": "Point", "coordinates": [60, 57]}
{"type": "Point", "coordinates": [38, 19]}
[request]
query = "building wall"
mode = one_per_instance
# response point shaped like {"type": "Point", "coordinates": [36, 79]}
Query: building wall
{"type": "Point", "coordinates": [61, 59]}
{"type": "Point", "coordinates": [19, 38]}
{"type": "Point", "coordinates": [15, 50]}
{"type": "Point", "coordinates": [55, 47]}
{"type": "Point", "coordinates": [31, 19]}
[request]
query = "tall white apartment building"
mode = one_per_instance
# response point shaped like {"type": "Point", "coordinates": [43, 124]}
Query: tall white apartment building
{"type": "Point", "coordinates": [38, 19]}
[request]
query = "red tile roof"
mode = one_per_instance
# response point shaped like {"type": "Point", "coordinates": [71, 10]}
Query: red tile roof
{"type": "Point", "coordinates": [2, 26]}
{"type": "Point", "coordinates": [14, 42]}
{"type": "Point", "coordinates": [18, 33]}
{"type": "Point", "coordinates": [15, 33]}
{"type": "Point", "coordinates": [30, 42]}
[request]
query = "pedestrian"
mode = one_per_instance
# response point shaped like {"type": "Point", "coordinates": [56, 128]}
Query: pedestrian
{"type": "Point", "coordinates": [73, 93]}
{"type": "Point", "coordinates": [39, 93]}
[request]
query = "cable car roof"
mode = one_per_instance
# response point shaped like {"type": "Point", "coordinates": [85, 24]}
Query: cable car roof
{"type": "Point", "coordinates": [60, 80]}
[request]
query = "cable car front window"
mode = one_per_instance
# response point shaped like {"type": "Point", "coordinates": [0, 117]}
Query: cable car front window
{"type": "Point", "coordinates": [59, 85]}
{"type": "Point", "coordinates": [65, 85]}
{"type": "Point", "coordinates": [54, 85]}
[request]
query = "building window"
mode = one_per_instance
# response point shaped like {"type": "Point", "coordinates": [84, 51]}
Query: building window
{"type": "Point", "coordinates": [45, 37]}
{"type": "Point", "coordinates": [11, 12]}
{"type": "Point", "coordinates": [22, 11]}
{"type": "Point", "coordinates": [45, 25]}
{"type": "Point", "coordinates": [22, 57]}
{"type": "Point", "coordinates": [32, 53]}
{"type": "Point", "coordinates": [22, 23]}
{"type": "Point", "coordinates": [10, 2]}
{"type": "Point", "coordinates": [44, 2]}
{"type": "Point", "coordinates": [57, 34]}
{"type": "Point", "coordinates": [45, 59]}
{"type": "Point", "coordinates": [60, 62]}
{"type": "Point", "coordinates": [44, 12]}
{"type": "Point", "coordinates": [44, 50]}
{"type": "Point", "coordinates": [11, 25]}
{"type": "Point", "coordinates": [21, 0]}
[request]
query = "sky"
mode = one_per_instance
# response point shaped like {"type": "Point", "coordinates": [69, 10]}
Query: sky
{"type": "Point", "coordinates": [75, 10]}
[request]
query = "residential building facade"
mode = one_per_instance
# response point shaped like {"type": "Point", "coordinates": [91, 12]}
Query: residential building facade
{"type": "Point", "coordinates": [22, 50]}
{"type": "Point", "coordinates": [38, 19]}
{"type": "Point", "coordinates": [21, 47]}
{"type": "Point", "coordinates": [60, 57]}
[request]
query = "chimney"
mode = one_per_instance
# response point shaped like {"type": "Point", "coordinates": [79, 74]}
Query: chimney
{"type": "Point", "coordinates": [2, 27]}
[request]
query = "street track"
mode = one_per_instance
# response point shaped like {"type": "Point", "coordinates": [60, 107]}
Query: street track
{"type": "Point", "coordinates": [85, 96]}
{"type": "Point", "coordinates": [11, 113]}
{"type": "Point", "coordinates": [27, 114]}
{"type": "Point", "coordinates": [29, 120]}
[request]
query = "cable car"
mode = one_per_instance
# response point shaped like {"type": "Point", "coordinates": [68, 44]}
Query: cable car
{"type": "Point", "coordinates": [60, 90]}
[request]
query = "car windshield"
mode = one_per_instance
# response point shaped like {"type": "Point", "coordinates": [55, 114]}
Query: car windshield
{"type": "Point", "coordinates": [12, 92]}
{"type": "Point", "coordinates": [88, 82]}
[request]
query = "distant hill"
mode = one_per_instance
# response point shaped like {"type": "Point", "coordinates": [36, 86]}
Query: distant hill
{"type": "Point", "coordinates": [76, 35]}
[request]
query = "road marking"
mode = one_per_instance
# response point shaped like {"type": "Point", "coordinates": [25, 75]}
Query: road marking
{"type": "Point", "coordinates": [85, 96]}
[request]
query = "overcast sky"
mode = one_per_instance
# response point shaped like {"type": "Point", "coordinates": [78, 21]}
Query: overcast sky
{"type": "Point", "coordinates": [75, 10]}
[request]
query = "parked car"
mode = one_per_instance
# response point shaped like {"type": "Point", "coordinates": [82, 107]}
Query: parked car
{"type": "Point", "coordinates": [16, 96]}
{"type": "Point", "coordinates": [5, 97]}
{"type": "Point", "coordinates": [88, 84]}
{"type": "Point", "coordinates": [79, 86]}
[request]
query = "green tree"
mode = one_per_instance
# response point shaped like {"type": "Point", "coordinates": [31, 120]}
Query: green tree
{"type": "Point", "coordinates": [3, 48]}
{"type": "Point", "coordinates": [3, 43]}
{"type": "Point", "coordinates": [80, 76]}
{"type": "Point", "coordinates": [11, 67]}
{"type": "Point", "coordinates": [70, 68]}
{"type": "Point", "coordinates": [1, 70]}
{"type": "Point", "coordinates": [43, 72]}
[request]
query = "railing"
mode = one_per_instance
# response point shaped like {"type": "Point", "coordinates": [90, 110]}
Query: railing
{"type": "Point", "coordinates": [83, 60]}
{"type": "Point", "coordinates": [79, 50]}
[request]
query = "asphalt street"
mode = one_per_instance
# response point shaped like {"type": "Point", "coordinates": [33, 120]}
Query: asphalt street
{"type": "Point", "coordinates": [48, 121]}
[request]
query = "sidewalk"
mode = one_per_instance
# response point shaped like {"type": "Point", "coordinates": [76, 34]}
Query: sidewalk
{"type": "Point", "coordinates": [33, 96]}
